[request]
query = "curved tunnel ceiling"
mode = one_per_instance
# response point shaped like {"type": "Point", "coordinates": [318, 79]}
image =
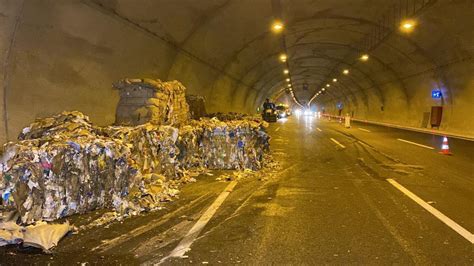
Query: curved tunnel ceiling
{"type": "Point", "coordinates": [225, 50]}
{"type": "Point", "coordinates": [341, 23]}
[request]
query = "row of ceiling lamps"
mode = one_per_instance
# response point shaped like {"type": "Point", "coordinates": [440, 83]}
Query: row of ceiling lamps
{"type": "Point", "coordinates": [277, 27]}
{"type": "Point", "coordinates": [345, 72]}
{"type": "Point", "coordinates": [406, 26]}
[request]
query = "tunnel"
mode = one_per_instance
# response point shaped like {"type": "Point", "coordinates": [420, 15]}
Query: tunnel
{"type": "Point", "coordinates": [372, 162]}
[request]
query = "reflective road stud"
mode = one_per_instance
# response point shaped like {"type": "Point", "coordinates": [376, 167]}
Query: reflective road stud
{"type": "Point", "coordinates": [445, 147]}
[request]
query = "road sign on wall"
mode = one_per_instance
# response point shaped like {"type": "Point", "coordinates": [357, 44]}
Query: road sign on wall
{"type": "Point", "coordinates": [436, 94]}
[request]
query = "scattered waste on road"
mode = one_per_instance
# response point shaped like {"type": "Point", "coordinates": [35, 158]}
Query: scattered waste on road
{"type": "Point", "coordinates": [39, 235]}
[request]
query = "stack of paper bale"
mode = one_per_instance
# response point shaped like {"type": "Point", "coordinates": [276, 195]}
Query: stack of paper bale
{"type": "Point", "coordinates": [151, 101]}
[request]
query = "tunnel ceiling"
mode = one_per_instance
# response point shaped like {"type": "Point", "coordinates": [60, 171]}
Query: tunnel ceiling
{"type": "Point", "coordinates": [321, 38]}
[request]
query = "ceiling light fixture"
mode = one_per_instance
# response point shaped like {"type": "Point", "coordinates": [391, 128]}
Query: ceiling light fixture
{"type": "Point", "coordinates": [334, 80]}
{"type": "Point", "coordinates": [286, 71]}
{"type": "Point", "coordinates": [283, 57]}
{"type": "Point", "coordinates": [328, 85]}
{"type": "Point", "coordinates": [407, 25]}
{"type": "Point", "coordinates": [345, 72]}
{"type": "Point", "coordinates": [277, 26]}
{"type": "Point", "coordinates": [364, 57]}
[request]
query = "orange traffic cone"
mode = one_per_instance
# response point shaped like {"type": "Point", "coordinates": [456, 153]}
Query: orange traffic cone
{"type": "Point", "coordinates": [445, 147]}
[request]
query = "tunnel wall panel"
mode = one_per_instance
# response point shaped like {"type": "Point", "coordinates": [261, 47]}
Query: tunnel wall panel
{"type": "Point", "coordinates": [67, 55]}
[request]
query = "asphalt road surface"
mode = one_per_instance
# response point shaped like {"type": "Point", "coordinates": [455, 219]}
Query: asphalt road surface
{"type": "Point", "coordinates": [362, 195]}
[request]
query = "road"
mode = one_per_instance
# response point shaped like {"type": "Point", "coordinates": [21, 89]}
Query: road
{"type": "Point", "coordinates": [330, 203]}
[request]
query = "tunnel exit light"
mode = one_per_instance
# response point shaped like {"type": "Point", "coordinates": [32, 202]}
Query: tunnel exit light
{"type": "Point", "coordinates": [436, 94]}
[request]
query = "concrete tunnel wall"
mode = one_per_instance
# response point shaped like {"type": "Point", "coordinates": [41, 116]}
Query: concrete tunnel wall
{"type": "Point", "coordinates": [446, 65]}
{"type": "Point", "coordinates": [64, 55]}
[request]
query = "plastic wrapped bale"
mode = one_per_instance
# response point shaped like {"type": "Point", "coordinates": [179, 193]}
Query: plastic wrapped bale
{"type": "Point", "coordinates": [153, 148]}
{"type": "Point", "coordinates": [151, 101]}
{"type": "Point", "coordinates": [47, 181]}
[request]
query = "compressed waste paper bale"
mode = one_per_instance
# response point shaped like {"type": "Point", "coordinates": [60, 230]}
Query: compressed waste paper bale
{"type": "Point", "coordinates": [56, 172]}
{"type": "Point", "coordinates": [62, 167]}
{"type": "Point", "coordinates": [63, 125]}
{"type": "Point", "coordinates": [237, 144]}
{"type": "Point", "coordinates": [151, 101]}
{"type": "Point", "coordinates": [188, 143]}
{"type": "Point", "coordinates": [60, 178]}
{"type": "Point", "coordinates": [152, 147]}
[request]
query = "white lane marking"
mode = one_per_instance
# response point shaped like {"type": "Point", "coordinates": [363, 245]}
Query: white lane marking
{"type": "Point", "coordinates": [337, 142]}
{"type": "Point", "coordinates": [445, 219]}
{"type": "Point", "coordinates": [363, 129]}
{"type": "Point", "coordinates": [417, 144]}
{"type": "Point", "coordinates": [278, 128]}
{"type": "Point", "coordinates": [319, 129]}
{"type": "Point", "coordinates": [110, 243]}
{"type": "Point", "coordinates": [189, 238]}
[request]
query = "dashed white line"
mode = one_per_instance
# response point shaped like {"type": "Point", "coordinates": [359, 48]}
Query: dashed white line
{"type": "Point", "coordinates": [363, 129]}
{"type": "Point", "coordinates": [417, 144]}
{"type": "Point", "coordinates": [189, 238]}
{"type": "Point", "coordinates": [443, 218]}
{"type": "Point", "coordinates": [337, 142]}
{"type": "Point", "coordinates": [319, 129]}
